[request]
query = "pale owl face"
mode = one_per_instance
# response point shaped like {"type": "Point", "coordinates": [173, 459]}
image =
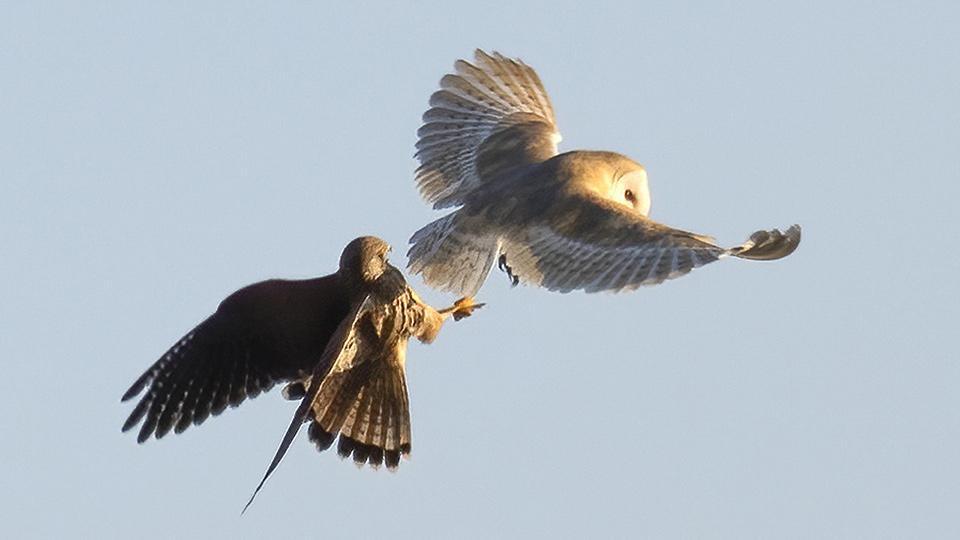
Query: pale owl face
{"type": "Point", "coordinates": [631, 189]}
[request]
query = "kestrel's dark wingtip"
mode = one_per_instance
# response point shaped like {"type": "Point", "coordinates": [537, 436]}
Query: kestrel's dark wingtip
{"type": "Point", "coordinates": [136, 387]}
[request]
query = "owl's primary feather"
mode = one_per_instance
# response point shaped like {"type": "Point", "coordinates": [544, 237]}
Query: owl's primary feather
{"type": "Point", "coordinates": [473, 105]}
{"type": "Point", "coordinates": [576, 220]}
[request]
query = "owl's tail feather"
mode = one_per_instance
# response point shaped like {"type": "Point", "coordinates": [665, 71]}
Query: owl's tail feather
{"type": "Point", "coordinates": [451, 255]}
{"type": "Point", "coordinates": [370, 411]}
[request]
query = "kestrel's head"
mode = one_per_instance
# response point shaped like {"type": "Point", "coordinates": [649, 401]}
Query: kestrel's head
{"type": "Point", "coordinates": [365, 257]}
{"type": "Point", "coordinates": [611, 176]}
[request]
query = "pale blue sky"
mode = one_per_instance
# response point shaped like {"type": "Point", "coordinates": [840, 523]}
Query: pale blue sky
{"type": "Point", "coordinates": [154, 159]}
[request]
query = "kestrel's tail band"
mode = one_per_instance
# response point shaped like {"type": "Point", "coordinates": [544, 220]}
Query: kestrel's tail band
{"type": "Point", "coordinates": [452, 256]}
{"type": "Point", "coordinates": [370, 411]}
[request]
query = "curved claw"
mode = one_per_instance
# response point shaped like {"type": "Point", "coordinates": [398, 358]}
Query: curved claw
{"type": "Point", "coordinates": [464, 307]}
{"type": "Point", "coordinates": [504, 267]}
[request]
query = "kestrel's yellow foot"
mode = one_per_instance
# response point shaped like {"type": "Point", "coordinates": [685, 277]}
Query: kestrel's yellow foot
{"type": "Point", "coordinates": [464, 308]}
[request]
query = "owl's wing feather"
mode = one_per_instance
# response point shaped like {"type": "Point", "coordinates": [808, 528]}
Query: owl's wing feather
{"type": "Point", "coordinates": [592, 244]}
{"type": "Point", "coordinates": [487, 117]}
{"type": "Point", "coordinates": [341, 350]}
{"type": "Point", "coordinates": [260, 335]}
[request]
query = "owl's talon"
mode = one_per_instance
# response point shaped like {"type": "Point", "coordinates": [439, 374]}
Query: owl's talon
{"type": "Point", "coordinates": [502, 264]}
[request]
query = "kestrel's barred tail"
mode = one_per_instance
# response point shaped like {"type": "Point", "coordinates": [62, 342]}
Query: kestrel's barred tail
{"type": "Point", "coordinates": [473, 103]}
{"type": "Point", "coordinates": [369, 409]}
{"type": "Point", "coordinates": [452, 254]}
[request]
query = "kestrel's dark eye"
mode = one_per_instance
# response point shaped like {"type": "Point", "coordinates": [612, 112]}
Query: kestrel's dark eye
{"type": "Point", "coordinates": [628, 194]}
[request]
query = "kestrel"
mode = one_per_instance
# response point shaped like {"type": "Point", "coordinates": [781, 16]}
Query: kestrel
{"type": "Point", "coordinates": [576, 220]}
{"type": "Point", "coordinates": [339, 341]}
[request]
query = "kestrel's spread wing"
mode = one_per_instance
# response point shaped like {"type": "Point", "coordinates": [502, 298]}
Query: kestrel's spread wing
{"type": "Point", "coordinates": [576, 220]}
{"type": "Point", "coordinates": [484, 119]}
{"type": "Point", "coordinates": [265, 333]}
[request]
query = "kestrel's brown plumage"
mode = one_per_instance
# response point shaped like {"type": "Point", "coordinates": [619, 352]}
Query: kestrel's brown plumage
{"type": "Point", "coordinates": [339, 340]}
{"type": "Point", "coordinates": [576, 220]}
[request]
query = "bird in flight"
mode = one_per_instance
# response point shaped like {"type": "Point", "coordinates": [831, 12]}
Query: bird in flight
{"type": "Point", "coordinates": [571, 221]}
{"type": "Point", "coordinates": [339, 341]}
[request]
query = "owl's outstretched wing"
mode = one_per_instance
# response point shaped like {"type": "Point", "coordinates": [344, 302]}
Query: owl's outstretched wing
{"type": "Point", "coordinates": [486, 118]}
{"type": "Point", "coordinates": [588, 243]}
{"type": "Point", "coordinates": [262, 334]}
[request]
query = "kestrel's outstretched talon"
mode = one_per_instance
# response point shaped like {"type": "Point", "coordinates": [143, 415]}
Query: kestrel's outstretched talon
{"type": "Point", "coordinates": [464, 307]}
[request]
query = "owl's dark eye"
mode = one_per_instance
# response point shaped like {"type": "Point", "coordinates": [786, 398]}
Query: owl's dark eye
{"type": "Point", "coordinates": [628, 195]}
